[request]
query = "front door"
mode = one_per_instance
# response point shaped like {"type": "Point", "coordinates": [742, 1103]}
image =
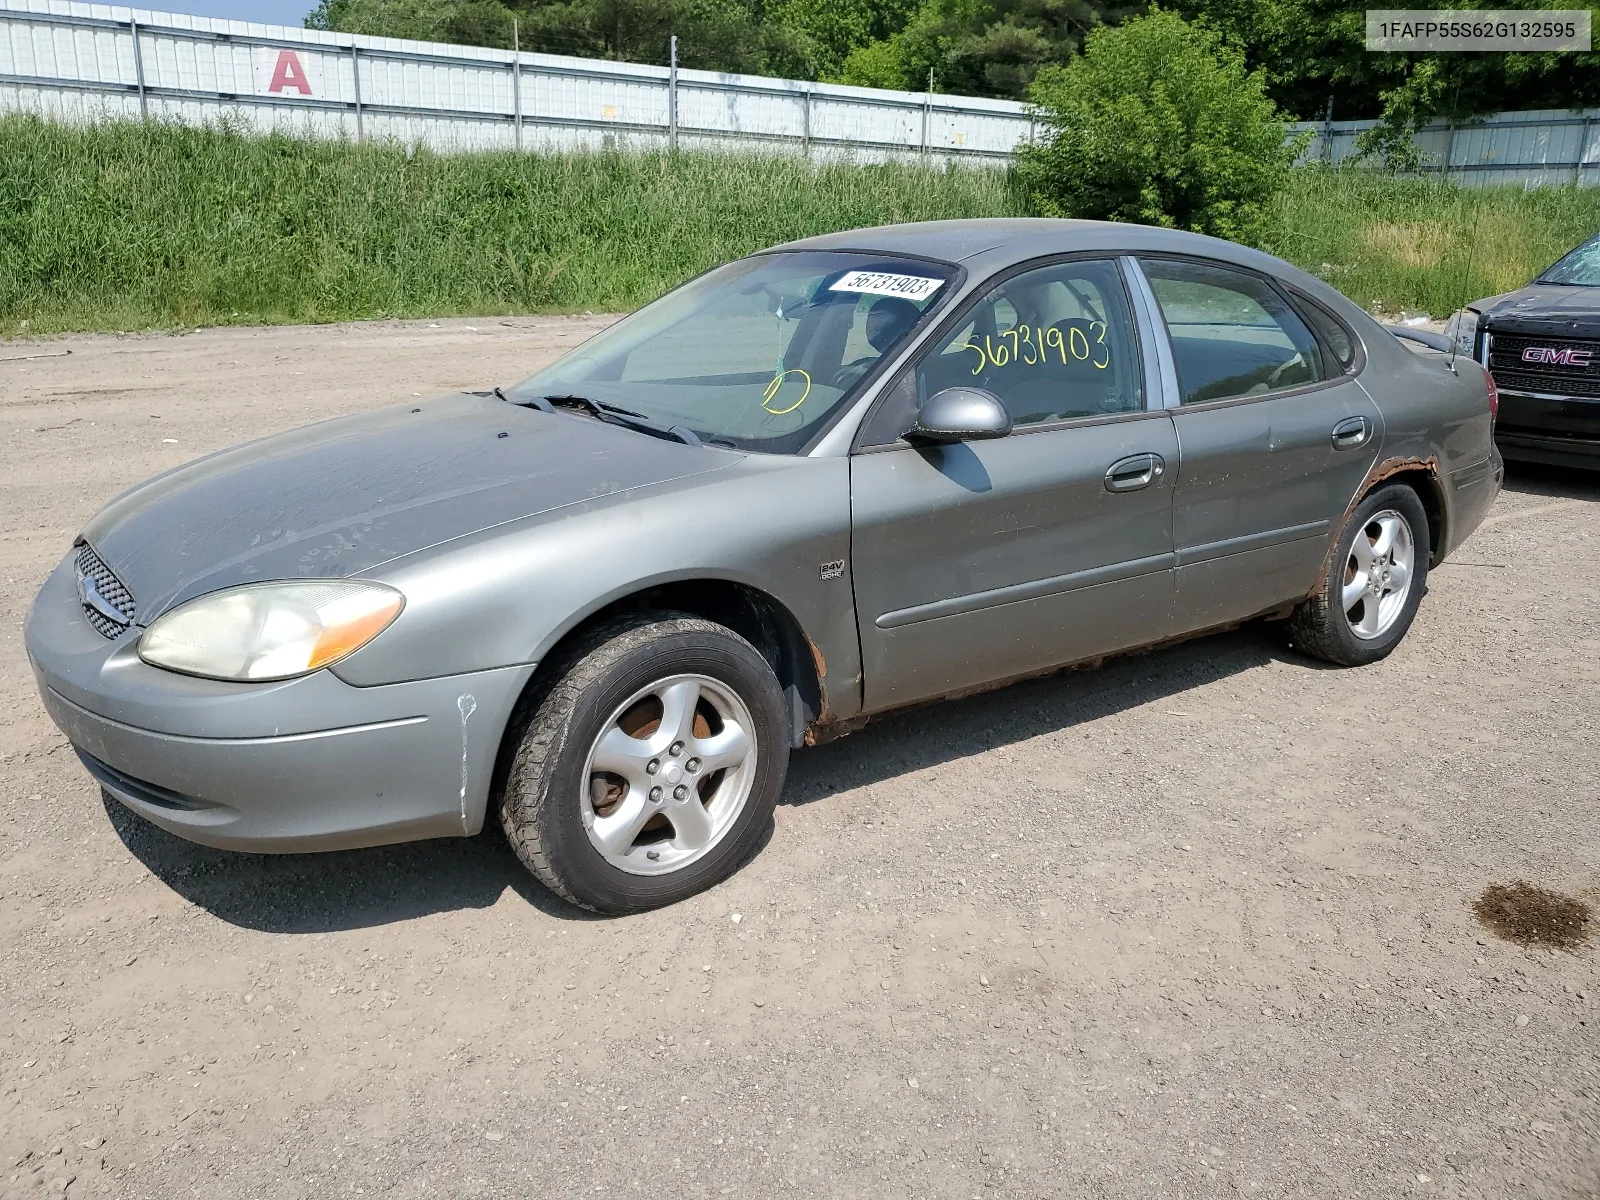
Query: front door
{"type": "Point", "coordinates": [1274, 438]}
{"type": "Point", "coordinates": [981, 561]}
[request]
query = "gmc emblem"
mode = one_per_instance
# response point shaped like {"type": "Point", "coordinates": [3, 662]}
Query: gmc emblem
{"type": "Point", "coordinates": [1560, 358]}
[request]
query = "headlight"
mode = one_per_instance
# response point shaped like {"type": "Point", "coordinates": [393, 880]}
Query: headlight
{"type": "Point", "coordinates": [270, 630]}
{"type": "Point", "coordinates": [1462, 328]}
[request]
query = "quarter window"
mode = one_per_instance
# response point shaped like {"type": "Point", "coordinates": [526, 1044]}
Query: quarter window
{"type": "Point", "coordinates": [1335, 337]}
{"type": "Point", "coordinates": [1232, 333]}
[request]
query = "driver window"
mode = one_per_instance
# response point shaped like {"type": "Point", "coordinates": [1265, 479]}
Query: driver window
{"type": "Point", "coordinates": [1053, 344]}
{"type": "Point", "coordinates": [1232, 333]}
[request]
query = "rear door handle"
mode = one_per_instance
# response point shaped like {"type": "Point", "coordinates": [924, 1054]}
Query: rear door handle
{"type": "Point", "coordinates": [1351, 433]}
{"type": "Point", "coordinates": [1134, 472]}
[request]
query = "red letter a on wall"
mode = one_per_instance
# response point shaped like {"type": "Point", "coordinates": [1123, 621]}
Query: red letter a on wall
{"type": "Point", "coordinates": [289, 74]}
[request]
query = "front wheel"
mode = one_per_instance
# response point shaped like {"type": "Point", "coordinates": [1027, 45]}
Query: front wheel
{"type": "Point", "coordinates": [650, 768]}
{"type": "Point", "coordinates": [1374, 582]}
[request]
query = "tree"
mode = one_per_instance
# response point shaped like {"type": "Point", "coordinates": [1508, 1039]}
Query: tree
{"type": "Point", "coordinates": [979, 47]}
{"type": "Point", "coordinates": [472, 22]}
{"type": "Point", "coordinates": [716, 35]}
{"type": "Point", "coordinates": [1314, 51]}
{"type": "Point", "coordinates": [1158, 122]}
{"type": "Point", "coordinates": [1310, 51]}
{"type": "Point", "coordinates": [823, 33]}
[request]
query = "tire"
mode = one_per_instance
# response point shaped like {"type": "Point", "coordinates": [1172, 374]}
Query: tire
{"type": "Point", "coordinates": [610, 742]}
{"type": "Point", "coordinates": [1323, 625]}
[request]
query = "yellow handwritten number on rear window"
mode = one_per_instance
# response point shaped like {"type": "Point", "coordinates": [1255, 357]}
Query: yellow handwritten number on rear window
{"type": "Point", "coordinates": [776, 385]}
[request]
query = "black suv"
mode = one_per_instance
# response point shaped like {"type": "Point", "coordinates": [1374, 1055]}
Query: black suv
{"type": "Point", "coordinates": [1542, 346]}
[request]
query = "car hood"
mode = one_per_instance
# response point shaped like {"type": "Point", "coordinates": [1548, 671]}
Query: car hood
{"type": "Point", "coordinates": [1544, 308]}
{"type": "Point", "coordinates": [338, 498]}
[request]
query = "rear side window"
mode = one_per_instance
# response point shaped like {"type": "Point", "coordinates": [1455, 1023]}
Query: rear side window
{"type": "Point", "coordinates": [1232, 333]}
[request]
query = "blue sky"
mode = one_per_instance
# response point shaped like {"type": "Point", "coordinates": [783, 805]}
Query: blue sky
{"type": "Point", "coordinates": [273, 12]}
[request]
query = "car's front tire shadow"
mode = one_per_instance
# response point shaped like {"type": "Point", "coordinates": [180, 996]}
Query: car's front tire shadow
{"type": "Point", "coordinates": [342, 889]}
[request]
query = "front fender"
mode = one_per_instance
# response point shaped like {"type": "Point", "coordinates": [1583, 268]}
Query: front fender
{"type": "Point", "coordinates": [508, 595]}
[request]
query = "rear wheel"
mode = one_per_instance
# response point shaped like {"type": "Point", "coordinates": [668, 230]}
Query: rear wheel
{"type": "Point", "coordinates": [651, 765]}
{"type": "Point", "coordinates": [1374, 582]}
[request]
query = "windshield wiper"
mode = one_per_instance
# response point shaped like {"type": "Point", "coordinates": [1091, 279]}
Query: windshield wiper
{"type": "Point", "coordinates": [538, 402]}
{"type": "Point", "coordinates": [617, 415]}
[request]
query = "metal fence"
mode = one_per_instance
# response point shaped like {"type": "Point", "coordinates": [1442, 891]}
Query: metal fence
{"type": "Point", "coordinates": [86, 62]}
{"type": "Point", "coordinates": [1527, 148]}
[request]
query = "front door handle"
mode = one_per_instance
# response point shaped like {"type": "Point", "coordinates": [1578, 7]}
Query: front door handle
{"type": "Point", "coordinates": [1351, 433]}
{"type": "Point", "coordinates": [1134, 472]}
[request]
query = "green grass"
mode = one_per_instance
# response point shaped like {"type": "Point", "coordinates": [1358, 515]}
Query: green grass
{"type": "Point", "coordinates": [1427, 243]}
{"type": "Point", "coordinates": [122, 226]}
{"type": "Point", "coordinates": [128, 226]}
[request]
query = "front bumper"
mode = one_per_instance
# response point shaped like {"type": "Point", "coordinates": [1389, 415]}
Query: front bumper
{"type": "Point", "coordinates": [304, 764]}
{"type": "Point", "coordinates": [1560, 431]}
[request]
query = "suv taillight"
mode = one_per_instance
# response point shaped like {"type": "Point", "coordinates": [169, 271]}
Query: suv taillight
{"type": "Point", "coordinates": [1494, 392]}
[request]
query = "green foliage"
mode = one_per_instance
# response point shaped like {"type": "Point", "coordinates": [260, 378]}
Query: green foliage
{"type": "Point", "coordinates": [825, 32]}
{"type": "Point", "coordinates": [1158, 122]}
{"type": "Point", "coordinates": [126, 226]}
{"type": "Point", "coordinates": [1423, 243]}
{"type": "Point", "coordinates": [974, 47]}
{"type": "Point", "coordinates": [979, 47]}
{"type": "Point", "coordinates": [1310, 51]}
{"type": "Point", "coordinates": [1314, 52]}
{"type": "Point", "coordinates": [463, 22]}
{"type": "Point", "coordinates": [718, 35]}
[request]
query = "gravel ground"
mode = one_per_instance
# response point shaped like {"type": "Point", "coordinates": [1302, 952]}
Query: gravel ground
{"type": "Point", "coordinates": [1195, 924]}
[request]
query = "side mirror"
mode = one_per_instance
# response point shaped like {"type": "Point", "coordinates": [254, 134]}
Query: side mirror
{"type": "Point", "coordinates": [960, 414]}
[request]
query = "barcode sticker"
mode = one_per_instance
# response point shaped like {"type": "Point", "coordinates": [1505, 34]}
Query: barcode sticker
{"type": "Point", "coordinates": [882, 283]}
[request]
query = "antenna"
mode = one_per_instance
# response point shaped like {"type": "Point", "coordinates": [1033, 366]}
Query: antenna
{"type": "Point", "coordinates": [1466, 279]}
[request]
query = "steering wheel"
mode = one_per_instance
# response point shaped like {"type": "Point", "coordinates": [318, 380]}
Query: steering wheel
{"type": "Point", "coordinates": [845, 377]}
{"type": "Point", "coordinates": [1297, 361]}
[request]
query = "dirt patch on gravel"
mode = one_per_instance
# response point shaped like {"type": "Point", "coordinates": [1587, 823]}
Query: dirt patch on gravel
{"type": "Point", "coordinates": [1534, 916]}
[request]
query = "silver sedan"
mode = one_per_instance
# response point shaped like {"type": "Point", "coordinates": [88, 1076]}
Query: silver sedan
{"type": "Point", "coordinates": [842, 476]}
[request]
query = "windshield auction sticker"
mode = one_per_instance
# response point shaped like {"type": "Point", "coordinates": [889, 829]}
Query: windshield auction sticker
{"type": "Point", "coordinates": [882, 283]}
{"type": "Point", "coordinates": [1477, 29]}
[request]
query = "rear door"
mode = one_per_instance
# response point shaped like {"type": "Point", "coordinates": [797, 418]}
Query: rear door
{"type": "Point", "coordinates": [1274, 434]}
{"type": "Point", "coordinates": [978, 562]}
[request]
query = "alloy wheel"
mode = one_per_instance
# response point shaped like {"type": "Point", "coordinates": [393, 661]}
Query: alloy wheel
{"type": "Point", "coordinates": [669, 774]}
{"type": "Point", "coordinates": [1377, 575]}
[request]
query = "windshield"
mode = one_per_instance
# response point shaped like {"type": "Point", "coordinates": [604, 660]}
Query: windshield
{"type": "Point", "coordinates": [1581, 267]}
{"type": "Point", "coordinates": [756, 354]}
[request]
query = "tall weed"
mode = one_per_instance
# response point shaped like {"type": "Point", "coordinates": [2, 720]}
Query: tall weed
{"type": "Point", "coordinates": [1424, 243]}
{"type": "Point", "coordinates": [121, 226]}
{"type": "Point", "coordinates": [129, 226]}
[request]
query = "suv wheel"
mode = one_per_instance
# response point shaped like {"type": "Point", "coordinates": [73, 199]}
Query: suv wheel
{"type": "Point", "coordinates": [649, 767]}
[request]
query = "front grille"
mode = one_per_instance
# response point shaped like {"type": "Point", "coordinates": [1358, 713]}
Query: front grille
{"type": "Point", "coordinates": [96, 580]}
{"type": "Point", "coordinates": [1547, 385]}
{"type": "Point", "coordinates": [1515, 374]}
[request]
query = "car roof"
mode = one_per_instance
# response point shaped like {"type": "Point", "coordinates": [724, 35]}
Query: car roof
{"type": "Point", "coordinates": [985, 245]}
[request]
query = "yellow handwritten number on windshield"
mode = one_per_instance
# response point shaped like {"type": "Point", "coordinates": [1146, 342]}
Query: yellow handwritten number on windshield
{"type": "Point", "coordinates": [776, 385]}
